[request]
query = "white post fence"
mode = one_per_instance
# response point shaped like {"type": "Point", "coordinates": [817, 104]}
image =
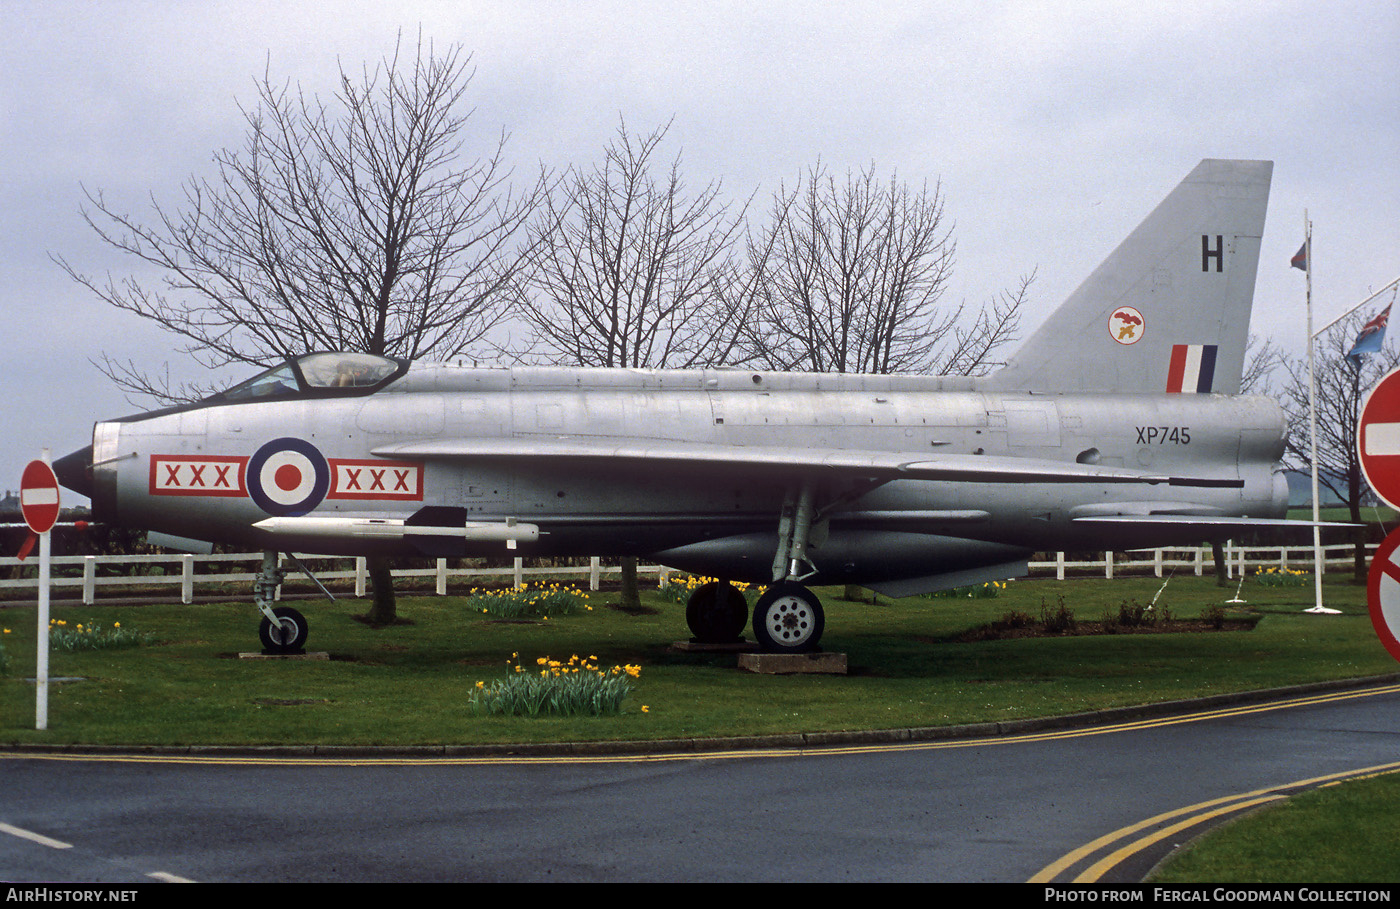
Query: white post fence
{"type": "Point", "coordinates": [182, 570]}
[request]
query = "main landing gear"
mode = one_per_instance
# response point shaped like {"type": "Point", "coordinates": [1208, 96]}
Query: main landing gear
{"type": "Point", "coordinates": [788, 617]}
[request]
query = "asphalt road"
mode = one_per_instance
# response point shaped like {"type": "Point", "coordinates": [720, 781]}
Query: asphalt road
{"type": "Point", "coordinates": [1011, 809]}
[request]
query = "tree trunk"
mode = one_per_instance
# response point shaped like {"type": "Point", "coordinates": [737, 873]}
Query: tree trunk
{"type": "Point", "coordinates": [854, 593]}
{"type": "Point", "coordinates": [631, 596]}
{"type": "Point", "coordinates": [383, 608]}
{"type": "Point", "coordinates": [1217, 553]}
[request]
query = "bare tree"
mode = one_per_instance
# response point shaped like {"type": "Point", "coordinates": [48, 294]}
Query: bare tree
{"type": "Point", "coordinates": [634, 271]}
{"type": "Point", "coordinates": [631, 271]}
{"type": "Point", "coordinates": [1342, 385]}
{"type": "Point", "coordinates": [1261, 358]}
{"type": "Point", "coordinates": [857, 279]}
{"type": "Point", "coordinates": [359, 224]}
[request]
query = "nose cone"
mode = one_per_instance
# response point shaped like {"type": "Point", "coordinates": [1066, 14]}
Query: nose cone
{"type": "Point", "coordinates": [75, 471]}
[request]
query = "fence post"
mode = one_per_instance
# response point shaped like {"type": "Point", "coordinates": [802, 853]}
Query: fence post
{"type": "Point", "coordinates": [519, 571]}
{"type": "Point", "coordinates": [595, 565]}
{"type": "Point", "coordinates": [1157, 563]}
{"type": "Point", "coordinates": [360, 569]}
{"type": "Point", "coordinates": [1200, 560]}
{"type": "Point", "coordinates": [187, 579]}
{"type": "Point", "coordinates": [89, 580]}
{"type": "Point", "coordinates": [442, 577]}
{"type": "Point", "coordinates": [1108, 566]}
{"type": "Point", "coordinates": [1059, 566]}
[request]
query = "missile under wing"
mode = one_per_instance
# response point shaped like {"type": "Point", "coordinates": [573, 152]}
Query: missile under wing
{"type": "Point", "coordinates": [1117, 425]}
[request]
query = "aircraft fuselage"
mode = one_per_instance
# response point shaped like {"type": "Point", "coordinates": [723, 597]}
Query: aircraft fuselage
{"type": "Point", "coordinates": [205, 471]}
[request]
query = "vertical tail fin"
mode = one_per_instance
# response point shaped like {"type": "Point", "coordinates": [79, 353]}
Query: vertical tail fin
{"type": "Point", "coordinates": [1168, 310]}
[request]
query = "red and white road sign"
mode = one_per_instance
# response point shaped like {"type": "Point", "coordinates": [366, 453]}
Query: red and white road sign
{"type": "Point", "coordinates": [1383, 593]}
{"type": "Point", "coordinates": [38, 496]}
{"type": "Point", "coordinates": [1378, 438]}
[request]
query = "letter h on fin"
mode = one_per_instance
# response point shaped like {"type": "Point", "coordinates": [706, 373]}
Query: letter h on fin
{"type": "Point", "coordinates": [1218, 253]}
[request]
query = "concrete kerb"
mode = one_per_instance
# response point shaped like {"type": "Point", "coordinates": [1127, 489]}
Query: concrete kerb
{"type": "Point", "coordinates": [712, 744]}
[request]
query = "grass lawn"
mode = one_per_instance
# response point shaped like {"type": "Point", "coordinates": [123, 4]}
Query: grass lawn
{"type": "Point", "coordinates": [409, 684]}
{"type": "Point", "coordinates": [1344, 833]}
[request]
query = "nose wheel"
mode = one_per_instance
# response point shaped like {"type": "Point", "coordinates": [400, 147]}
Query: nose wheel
{"type": "Point", "coordinates": [788, 618]}
{"type": "Point", "coordinates": [283, 629]}
{"type": "Point", "coordinates": [288, 635]}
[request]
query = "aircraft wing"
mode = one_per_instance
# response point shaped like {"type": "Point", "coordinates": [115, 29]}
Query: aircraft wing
{"type": "Point", "coordinates": [881, 465]}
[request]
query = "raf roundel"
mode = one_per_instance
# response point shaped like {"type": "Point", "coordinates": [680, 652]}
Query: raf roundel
{"type": "Point", "coordinates": [288, 477]}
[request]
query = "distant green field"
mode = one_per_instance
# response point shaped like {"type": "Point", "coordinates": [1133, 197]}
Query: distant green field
{"type": "Point", "coordinates": [1384, 515]}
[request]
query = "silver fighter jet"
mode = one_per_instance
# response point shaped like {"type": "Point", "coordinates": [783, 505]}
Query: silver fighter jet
{"type": "Point", "coordinates": [1118, 425]}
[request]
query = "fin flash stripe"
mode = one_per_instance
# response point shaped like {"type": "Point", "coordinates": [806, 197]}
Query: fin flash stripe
{"type": "Point", "coordinates": [1192, 369]}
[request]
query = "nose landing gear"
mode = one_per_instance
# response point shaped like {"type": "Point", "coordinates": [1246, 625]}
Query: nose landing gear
{"type": "Point", "coordinates": [283, 629]}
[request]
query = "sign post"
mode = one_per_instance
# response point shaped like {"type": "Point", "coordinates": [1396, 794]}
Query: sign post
{"type": "Point", "coordinates": [38, 500]}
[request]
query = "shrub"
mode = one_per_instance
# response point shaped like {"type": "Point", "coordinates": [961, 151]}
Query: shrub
{"type": "Point", "coordinates": [988, 591]}
{"type": "Point", "coordinates": [575, 688]}
{"type": "Point", "coordinates": [1134, 614]}
{"type": "Point", "coordinates": [679, 589]}
{"type": "Point", "coordinates": [1282, 577]}
{"type": "Point", "coordinates": [89, 636]}
{"type": "Point", "coordinates": [1013, 619]}
{"type": "Point", "coordinates": [1058, 620]}
{"type": "Point", "coordinates": [525, 602]}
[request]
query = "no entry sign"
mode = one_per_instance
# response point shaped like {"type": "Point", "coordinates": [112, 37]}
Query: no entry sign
{"type": "Point", "coordinates": [1383, 593]}
{"type": "Point", "coordinates": [38, 496]}
{"type": "Point", "coordinates": [1378, 438]}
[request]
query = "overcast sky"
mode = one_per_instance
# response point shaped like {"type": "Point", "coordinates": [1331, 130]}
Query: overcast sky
{"type": "Point", "coordinates": [1053, 127]}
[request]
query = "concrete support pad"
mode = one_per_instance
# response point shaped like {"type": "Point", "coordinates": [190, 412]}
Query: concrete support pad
{"type": "Point", "coordinates": [317, 655]}
{"type": "Point", "coordinates": [698, 647]}
{"type": "Point", "coordinates": [788, 663]}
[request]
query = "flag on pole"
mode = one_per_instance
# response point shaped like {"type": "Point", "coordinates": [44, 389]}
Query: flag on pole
{"type": "Point", "coordinates": [1371, 337]}
{"type": "Point", "coordinates": [1300, 259]}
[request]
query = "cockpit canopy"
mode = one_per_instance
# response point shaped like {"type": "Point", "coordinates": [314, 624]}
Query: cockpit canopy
{"type": "Point", "coordinates": [319, 375]}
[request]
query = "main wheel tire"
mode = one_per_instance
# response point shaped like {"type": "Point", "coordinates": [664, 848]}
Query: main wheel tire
{"type": "Point", "coordinates": [788, 618]}
{"type": "Point", "coordinates": [716, 613]}
{"type": "Point", "coordinates": [288, 635]}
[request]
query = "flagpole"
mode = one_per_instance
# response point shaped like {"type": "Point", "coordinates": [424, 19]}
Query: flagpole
{"type": "Point", "coordinates": [1383, 289]}
{"type": "Point", "coordinates": [1312, 422]}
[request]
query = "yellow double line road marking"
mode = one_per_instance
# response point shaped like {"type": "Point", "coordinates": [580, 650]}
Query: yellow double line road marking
{"type": "Point", "coordinates": [1190, 816]}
